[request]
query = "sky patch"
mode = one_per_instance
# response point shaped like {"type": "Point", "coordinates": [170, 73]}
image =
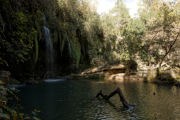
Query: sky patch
{"type": "Point", "coordinates": [103, 6]}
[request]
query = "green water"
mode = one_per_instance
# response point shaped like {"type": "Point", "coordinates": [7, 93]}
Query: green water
{"type": "Point", "coordinates": [75, 100]}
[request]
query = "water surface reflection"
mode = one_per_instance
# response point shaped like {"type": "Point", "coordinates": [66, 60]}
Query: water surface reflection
{"type": "Point", "coordinates": [75, 100]}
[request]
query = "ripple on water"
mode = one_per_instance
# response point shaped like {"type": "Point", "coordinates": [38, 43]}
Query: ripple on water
{"type": "Point", "coordinates": [16, 85]}
{"type": "Point", "coordinates": [54, 80]}
{"type": "Point", "coordinates": [75, 100]}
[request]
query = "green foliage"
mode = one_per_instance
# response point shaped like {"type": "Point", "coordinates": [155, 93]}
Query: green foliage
{"type": "Point", "coordinates": [9, 109]}
{"type": "Point", "coordinates": [118, 34]}
{"type": "Point", "coordinates": [17, 41]}
{"type": "Point", "coordinates": [161, 21]}
{"type": "Point", "coordinates": [146, 38]}
{"type": "Point", "coordinates": [36, 47]}
{"type": "Point", "coordinates": [74, 27]}
{"type": "Point", "coordinates": [81, 36]}
{"type": "Point", "coordinates": [78, 28]}
{"type": "Point", "coordinates": [76, 50]}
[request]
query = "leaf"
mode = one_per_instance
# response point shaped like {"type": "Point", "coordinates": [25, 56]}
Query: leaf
{"type": "Point", "coordinates": [35, 118]}
{"type": "Point", "coordinates": [15, 116]}
{"type": "Point", "coordinates": [20, 55]}
{"type": "Point", "coordinates": [10, 110]}
{"type": "Point", "coordinates": [2, 83]}
{"type": "Point", "coordinates": [37, 111]}
{"type": "Point", "coordinates": [4, 116]}
{"type": "Point", "coordinates": [21, 116]}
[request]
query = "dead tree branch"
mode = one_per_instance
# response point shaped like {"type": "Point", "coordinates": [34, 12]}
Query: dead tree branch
{"type": "Point", "coordinates": [117, 91]}
{"type": "Point", "coordinates": [170, 47]}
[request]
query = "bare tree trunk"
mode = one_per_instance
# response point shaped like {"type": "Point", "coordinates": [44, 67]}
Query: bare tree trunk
{"type": "Point", "coordinates": [170, 47]}
{"type": "Point", "coordinates": [167, 52]}
{"type": "Point", "coordinates": [117, 91]}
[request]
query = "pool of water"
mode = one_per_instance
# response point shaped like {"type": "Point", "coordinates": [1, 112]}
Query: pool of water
{"type": "Point", "coordinates": [75, 100]}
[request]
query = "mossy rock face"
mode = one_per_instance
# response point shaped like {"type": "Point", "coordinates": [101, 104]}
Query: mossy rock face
{"type": "Point", "coordinates": [163, 75]}
{"type": "Point", "coordinates": [151, 76]}
{"type": "Point", "coordinates": [131, 65]}
{"type": "Point", "coordinates": [166, 77]}
{"type": "Point", "coordinates": [175, 73]}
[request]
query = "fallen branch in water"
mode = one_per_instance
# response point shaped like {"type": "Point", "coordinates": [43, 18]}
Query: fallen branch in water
{"type": "Point", "coordinates": [117, 91]}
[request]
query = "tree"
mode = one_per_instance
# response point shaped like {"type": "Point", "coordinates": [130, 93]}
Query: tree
{"type": "Point", "coordinates": [162, 34]}
{"type": "Point", "coordinates": [114, 25]}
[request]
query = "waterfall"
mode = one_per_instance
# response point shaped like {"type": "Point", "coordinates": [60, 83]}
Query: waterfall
{"type": "Point", "coordinates": [49, 52]}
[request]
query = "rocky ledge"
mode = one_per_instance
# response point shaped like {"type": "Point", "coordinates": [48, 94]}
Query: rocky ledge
{"type": "Point", "coordinates": [116, 73]}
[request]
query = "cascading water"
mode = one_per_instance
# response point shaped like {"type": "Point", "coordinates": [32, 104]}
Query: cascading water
{"type": "Point", "coordinates": [49, 53]}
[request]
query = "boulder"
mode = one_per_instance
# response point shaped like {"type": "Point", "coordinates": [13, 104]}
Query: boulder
{"type": "Point", "coordinates": [111, 69]}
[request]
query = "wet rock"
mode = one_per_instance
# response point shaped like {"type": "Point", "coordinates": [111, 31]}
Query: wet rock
{"type": "Point", "coordinates": [116, 72]}
{"type": "Point", "coordinates": [111, 69]}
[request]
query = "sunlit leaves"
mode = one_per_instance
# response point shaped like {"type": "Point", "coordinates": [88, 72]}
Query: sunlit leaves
{"type": "Point", "coordinates": [161, 21]}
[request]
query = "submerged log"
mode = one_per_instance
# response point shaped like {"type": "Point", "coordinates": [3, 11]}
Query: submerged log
{"type": "Point", "coordinates": [117, 91]}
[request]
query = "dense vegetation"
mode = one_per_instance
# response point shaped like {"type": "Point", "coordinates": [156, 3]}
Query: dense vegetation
{"type": "Point", "coordinates": [10, 109]}
{"type": "Point", "coordinates": [149, 36]}
{"type": "Point", "coordinates": [73, 32]}
{"type": "Point", "coordinates": [81, 37]}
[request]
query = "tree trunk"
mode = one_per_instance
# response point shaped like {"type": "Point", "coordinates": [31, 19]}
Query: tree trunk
{"type": "Point", "coordinates": [117, 91]}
